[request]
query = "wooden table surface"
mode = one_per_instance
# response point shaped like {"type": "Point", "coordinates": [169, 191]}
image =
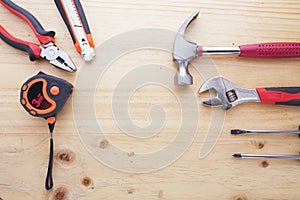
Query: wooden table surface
{"type": "Point", "coordinates": [79, 174]}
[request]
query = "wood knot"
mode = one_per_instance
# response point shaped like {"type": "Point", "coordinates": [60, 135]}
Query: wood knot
{"type": "Point", "coordinates": [65, 156]}
{"type": "Point", "coordinates": [104, 144]}
{"type": "Point", "coordinates": [130, 190]}
{"type": "Point", "coordinates": [60, 193]}
{"type": "Point", "coordinates": [259, 145]}
{"type": "Point", "coordinates": [131, 154]}
{"type": "Point", "coordinates": [239, 197]}
{"type": "Point", "coordinates": [160, 194]}
{"type": "Point", "coordinates": [86, 181]}
{"type": "Point", "coordinates": [264, 164]}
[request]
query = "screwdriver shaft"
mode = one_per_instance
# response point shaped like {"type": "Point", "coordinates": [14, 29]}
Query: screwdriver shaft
{"type": "Point", "coordinates": [252, 132]}
{"type": "Point", "coordinates": [266, 156]}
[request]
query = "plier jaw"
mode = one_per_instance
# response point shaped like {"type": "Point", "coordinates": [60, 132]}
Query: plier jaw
{"type": "Point", "coordinates": [57, 57]}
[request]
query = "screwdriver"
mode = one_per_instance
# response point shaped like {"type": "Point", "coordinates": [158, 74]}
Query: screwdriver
{"type": "Point", "coordinates": [239, 155]}
{"type": "Point", "coordinates": [254, 132]}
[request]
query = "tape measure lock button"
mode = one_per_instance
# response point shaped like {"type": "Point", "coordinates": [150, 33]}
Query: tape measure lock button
{"type": "Point", "coordinates": [54, 90]}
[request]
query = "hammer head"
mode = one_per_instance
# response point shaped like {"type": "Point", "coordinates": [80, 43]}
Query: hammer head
{"type": "Point", "coordinates": [183, 52]}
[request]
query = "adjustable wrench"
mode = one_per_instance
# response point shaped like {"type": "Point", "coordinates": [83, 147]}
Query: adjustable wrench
{"type": "Point", "coordinates": [230, 95]}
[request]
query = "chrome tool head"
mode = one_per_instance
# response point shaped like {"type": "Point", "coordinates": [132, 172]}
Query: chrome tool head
{"type": "Point", "coordinates": [228, 94]}
{"type": "Point", "coordinates": [57, 57]}
{"type": "Point", "coordinates": [184, 51]}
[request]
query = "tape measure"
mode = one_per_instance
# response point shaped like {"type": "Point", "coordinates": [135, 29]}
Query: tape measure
{"type": "Point", "coordinates": [43, 96]}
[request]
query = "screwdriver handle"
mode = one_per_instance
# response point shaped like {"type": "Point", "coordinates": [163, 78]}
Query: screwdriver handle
{"type": "Point", "coordinates": [281, 96]}
{"type": "Point", "coordinates": [43, 36]}
{"type": "Point", "coordinates": [33, 50]}
{"type": "Point", "coordinates": [66, 15]}
{"type": "Point", "coordinates": [271, 50]}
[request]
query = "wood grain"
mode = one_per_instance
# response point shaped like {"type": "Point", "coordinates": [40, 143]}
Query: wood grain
{"type": "Point", "coordinates": [78, 175]}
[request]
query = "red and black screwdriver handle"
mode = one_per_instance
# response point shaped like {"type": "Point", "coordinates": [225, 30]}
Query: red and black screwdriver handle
{"type": "Point", "coordinates": [43, 36]}
{"type": "Point", "coordinates": [77, 5]}
{"type": "Point", "coordinates": [281, 96]}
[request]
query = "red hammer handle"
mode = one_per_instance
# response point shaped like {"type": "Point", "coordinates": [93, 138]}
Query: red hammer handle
{"type": "Point", "coordinates": [271, 50]}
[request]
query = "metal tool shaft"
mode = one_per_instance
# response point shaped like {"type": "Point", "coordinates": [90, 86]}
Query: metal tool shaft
{"type": "Point", "coordinates": [295, 157]}
{"type": "Point", "coordinates": [253, 132]}
{"type": "Point", "coordinates": [221, 51]}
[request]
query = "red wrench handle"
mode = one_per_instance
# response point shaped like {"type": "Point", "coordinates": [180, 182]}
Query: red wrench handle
{"type": "Point", "coordinates": [282, 95]}
{"type": "Point", "coordinates": [33, 50]}
{"type": "Point", "coordinates": [43, 36]}
{"type": "Point", "coordinates": [271, 50]}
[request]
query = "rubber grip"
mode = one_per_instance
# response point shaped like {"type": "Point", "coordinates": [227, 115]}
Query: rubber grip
{"type": "Point", "coordinates": [33, 50]}
{"type": "Point", "coordinates": [62, 11]}
{"type": "Point", "coordinates": [43, 36]}
{"type": "Point", "coordinates": [271, 50]}
{"type": "Point", "coordinates": [82, 17]}
{"type": "Point", "coordinates": [49, 177]}
{"type": "Point", "coordinates": [84, 23]}
{"type": "Point", "coordinates": [67, 19]}
{"type": "Point", "coordinates": [281, 96]}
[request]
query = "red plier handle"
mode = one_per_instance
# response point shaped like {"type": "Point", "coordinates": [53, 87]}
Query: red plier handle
{"type": "Point", "coordinates": [43, 36]}
{"type": "Point", "coordinates": [33, 50]}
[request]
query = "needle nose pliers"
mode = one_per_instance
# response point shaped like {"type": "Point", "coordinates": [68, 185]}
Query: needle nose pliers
{"type": "Point", "coordinates": [46, 50]}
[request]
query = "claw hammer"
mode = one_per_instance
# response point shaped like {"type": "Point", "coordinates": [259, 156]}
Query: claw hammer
{"type": "Point", "coordinates": [185, 51]}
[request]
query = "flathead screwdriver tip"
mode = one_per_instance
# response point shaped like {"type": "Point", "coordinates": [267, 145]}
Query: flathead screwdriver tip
{"type": "Point", "coordinates": [238, 131]}
{"type": "Point", "coordinates": [237, 155]}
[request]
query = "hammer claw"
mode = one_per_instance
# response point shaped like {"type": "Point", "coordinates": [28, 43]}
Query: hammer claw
{"type": "Point", "coordinates": [187, 22]}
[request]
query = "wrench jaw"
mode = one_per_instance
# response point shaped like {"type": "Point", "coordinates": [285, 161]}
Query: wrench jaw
{"type": "Point", "coordinates": [219, 101]}
{"type": "Point", "coordinates": [216, 84]}
{"type": "Point", "coordinates": [228, 94]}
